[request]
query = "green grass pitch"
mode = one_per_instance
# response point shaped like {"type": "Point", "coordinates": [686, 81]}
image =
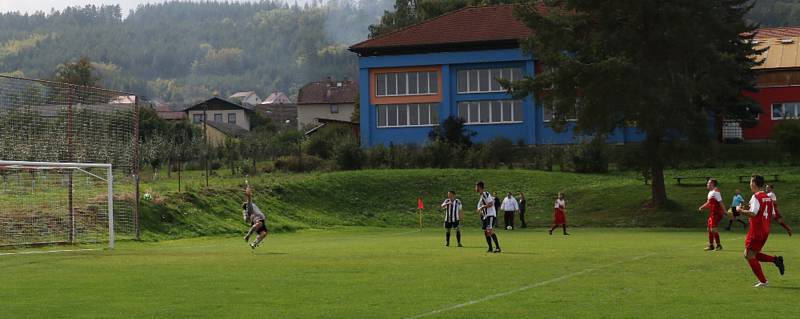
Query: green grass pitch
{"type": "Point", "coordinates": [359, 272]}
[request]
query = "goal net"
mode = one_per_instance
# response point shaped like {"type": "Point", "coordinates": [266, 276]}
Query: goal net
{"type": "Point", "coordinates": [59, 144]}
{"type": "Point", "coordinates": [41, 206]}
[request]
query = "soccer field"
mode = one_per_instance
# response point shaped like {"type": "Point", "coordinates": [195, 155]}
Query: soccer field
{"type": "Point", "coordinates": [403, 273]}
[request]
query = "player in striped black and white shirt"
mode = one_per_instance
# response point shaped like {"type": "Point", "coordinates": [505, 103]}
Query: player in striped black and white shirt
{"type": "Point", "coordinates": [488, 215]}
{"type": "Point", "coordinates": [452, 216]}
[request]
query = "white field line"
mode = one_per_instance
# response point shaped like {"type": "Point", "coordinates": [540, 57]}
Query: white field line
{"type": "Point", "coordinates": [524, 288]}
{"type": "Point", "coordinates": [37, 252]}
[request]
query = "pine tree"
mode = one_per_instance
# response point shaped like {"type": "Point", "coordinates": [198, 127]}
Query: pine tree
{"type": "Point", "coordinates": [667, 67]}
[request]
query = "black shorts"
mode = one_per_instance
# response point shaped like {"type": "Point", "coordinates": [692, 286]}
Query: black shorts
{"type": "Point", "coordinates": [488, 222]}
{"type": "Point", "coordinates": [736, 212]}
{"type": "Point", "coordinates": [263, 227]}
{"type": "Point", "coordinates": [454, 224]}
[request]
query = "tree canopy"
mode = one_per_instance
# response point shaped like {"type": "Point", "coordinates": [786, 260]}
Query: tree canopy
{"type": "Point", "coordinates": [666, 67]}
{"type": "Point", "coordinates": [182, 51]}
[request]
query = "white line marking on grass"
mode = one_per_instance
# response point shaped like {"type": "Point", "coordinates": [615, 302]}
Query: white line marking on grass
{"type": "Point", "coordinates": [528, 287]}
{"type": "Point", "coordinates": [49, 251]}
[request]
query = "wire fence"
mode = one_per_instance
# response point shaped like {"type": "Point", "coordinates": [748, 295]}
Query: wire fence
{"type": "Point", "coordinates": [43, 121]}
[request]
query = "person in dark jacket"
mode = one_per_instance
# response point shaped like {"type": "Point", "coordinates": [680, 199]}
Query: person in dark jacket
{"type": "Point", "coordinates": [522, 202]}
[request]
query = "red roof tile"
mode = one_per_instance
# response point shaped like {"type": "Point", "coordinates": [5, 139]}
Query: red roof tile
{"type": "Point", "coordinates": [778, 32]}
{"type": "Point", "coordinates": [468, 25]}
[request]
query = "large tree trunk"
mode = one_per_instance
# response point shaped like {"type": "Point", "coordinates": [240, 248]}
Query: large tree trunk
{"type": "Point", "coordinates": [659, 191]}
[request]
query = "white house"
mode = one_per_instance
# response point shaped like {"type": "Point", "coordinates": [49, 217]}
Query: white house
{"type": "Point", "coordinates": [246, 98]}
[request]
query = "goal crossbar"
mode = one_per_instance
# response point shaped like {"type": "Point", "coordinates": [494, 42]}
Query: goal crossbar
{"type": "Point", "coordinates": [78, 166]}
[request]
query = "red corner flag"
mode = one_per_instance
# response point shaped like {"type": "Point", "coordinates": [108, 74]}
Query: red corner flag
{"type": "Point", "coordinates": [420, 205]}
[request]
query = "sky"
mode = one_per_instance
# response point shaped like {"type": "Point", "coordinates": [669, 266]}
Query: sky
{"type": "Point", "coordinates": [31, 6]}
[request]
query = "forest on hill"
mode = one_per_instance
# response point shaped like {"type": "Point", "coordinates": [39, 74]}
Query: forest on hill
{"type": "Point", "coordinates": [182, 51]}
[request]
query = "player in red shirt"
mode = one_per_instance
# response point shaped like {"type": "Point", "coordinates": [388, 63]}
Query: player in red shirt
{"type": "Point", "coordinates": [778, 217]}
{"type": "Point", "coordinates": [761, 212]}
{"type": "Point", "coordinates": [560, 214]}
{"type": "Point", "coordinates": [716, 209]}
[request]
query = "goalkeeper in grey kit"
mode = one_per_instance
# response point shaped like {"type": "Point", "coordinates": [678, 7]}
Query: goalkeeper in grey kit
{"type": "Point", "coordinates": [257, 219]}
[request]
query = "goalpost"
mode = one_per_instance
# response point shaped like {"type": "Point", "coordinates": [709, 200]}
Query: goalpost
{"type": "Point", "coordinates": [47, 224]}
{"type": "Point", "coordinates": [69, 163]}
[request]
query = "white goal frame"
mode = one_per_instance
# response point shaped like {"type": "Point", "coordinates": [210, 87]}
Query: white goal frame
{"type": "Point", "coordinates": [77, 166]}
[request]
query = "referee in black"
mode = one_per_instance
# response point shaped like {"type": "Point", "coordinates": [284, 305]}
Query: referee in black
{"type": "Point", "coordinates": [452, 216]}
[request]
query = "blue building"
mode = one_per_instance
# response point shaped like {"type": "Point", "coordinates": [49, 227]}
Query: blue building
{"type": "Point", "coordinates": [412, 79]}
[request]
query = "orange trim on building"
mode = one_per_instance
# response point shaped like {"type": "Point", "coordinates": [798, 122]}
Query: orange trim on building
{"type": "Point", "coordinates": [428, 98]}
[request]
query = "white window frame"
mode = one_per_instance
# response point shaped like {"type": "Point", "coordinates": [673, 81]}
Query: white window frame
{"type": "Point", "coordinates": [785, 113]}
{"type": "Point", "coordinates": [234, 118]}
{"type": "Point", "coordinates": [433, 108]}
{"type": "Point", "coordinates": [196, 116]}
{"type": "Point", "coordinates": [467, 116]}
{"type": "Point", "coordinates": [431, 81]}
{"type": "Point", "coordinates": [220, 117]}
{"type": "Point", "coordinates": [490, 71]}
{"type": "Point", "coordinates": [546, 120]}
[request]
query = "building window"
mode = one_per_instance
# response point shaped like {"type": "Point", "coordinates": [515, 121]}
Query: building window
{"type": "Point", "coordinates": [406, 83]}
{"type": "Point", "coordinates": [197, 118]}
{"type": "Point", "coordinates": [485, 80]}
{"type": "Point", "coordinates": [232, 118]}
{"type": "Point", "coordinates": [785, 111]}
{"type": "Point", "coordinates": [491, 112]}
{"type": "Point", "coordinates": [408, 115]}
{"type": "Point", "coordinates": [549, 115]}
{"type": "Point", "coordinates": [334, 109]}
{"type": "Point", "coordinates": [218, 117]}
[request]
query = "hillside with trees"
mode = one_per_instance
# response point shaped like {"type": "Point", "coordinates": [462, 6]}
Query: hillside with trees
{"type": "Point", "coordinates": [776, 13]}
{"type": "Point", "coordinates": [182, 51]}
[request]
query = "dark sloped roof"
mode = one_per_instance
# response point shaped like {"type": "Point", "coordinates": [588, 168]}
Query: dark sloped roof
{"type": "Point", "coordinates": [471, 25]}
{"type": "Point", "coordinates": [217, 103]}
{"type": "Point", "coordinates": [228, 128]}
{"type": "Point", "coordinates": [328, 92]}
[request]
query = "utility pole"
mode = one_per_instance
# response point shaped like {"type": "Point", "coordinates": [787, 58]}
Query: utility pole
{"type": "Point", "coordinates": [205, 138]}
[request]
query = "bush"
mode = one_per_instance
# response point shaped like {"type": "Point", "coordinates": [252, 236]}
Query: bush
{"type": "Point", "coordinates": [591, 157]}
{"type": "Point", "coordinates": [292, 164]}
{"type": "Point", "coordinates": [215, 165]}
{"type": "Point", "coordinates": [787, 134]}
{"type": "Point", "coordinates": [349, 156]}
{"type": "Point", "coordinates": [443, 155]}
{"type": "Point", "coordinates": [324, 142]}
{"type": "Point", "coordinates": [452, 131]}
{"type": "Point", "coordinates": [377, 157]}
{"type": "Point", "coordinates": [500, 150]}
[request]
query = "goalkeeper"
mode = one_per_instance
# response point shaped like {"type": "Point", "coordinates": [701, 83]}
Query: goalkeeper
{"type": "Point", "coordinates": [257, 219]}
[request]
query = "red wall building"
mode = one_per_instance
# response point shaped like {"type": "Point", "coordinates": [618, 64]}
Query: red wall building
{"type": "Point", "coordinates": [778, 80]}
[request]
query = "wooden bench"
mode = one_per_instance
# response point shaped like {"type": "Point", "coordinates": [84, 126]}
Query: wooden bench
{"type": "Point", "coordinates": [680, 178]}
{"type": "Point", "coordinates": [746, 178]}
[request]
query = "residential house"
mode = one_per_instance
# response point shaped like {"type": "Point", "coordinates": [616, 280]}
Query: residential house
{"type": "Point", "coordinates": [246, 98]}
{"type": "Point", "coordinates": [169, 114]}
{"type": "Point", "coordinates": [413, 79]}
{"type": "Point", "coordinates": [219, 132]}
{"type": "Point", "coordinates": [277, 98]}
{"type": "Point", "coordinates": [329, 99]}
{"type": "Point", "coordinates": [221, 111]}
{"type": "Point", "coordinates": [778, 83]}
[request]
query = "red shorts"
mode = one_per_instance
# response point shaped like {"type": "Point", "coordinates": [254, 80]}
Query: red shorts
{"type": "Point", "coordinates": [754, 244]}
{"type": "Point", "coordinates": [559, 217]}
{"type": "Point", "coordinates": [713, 221]}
